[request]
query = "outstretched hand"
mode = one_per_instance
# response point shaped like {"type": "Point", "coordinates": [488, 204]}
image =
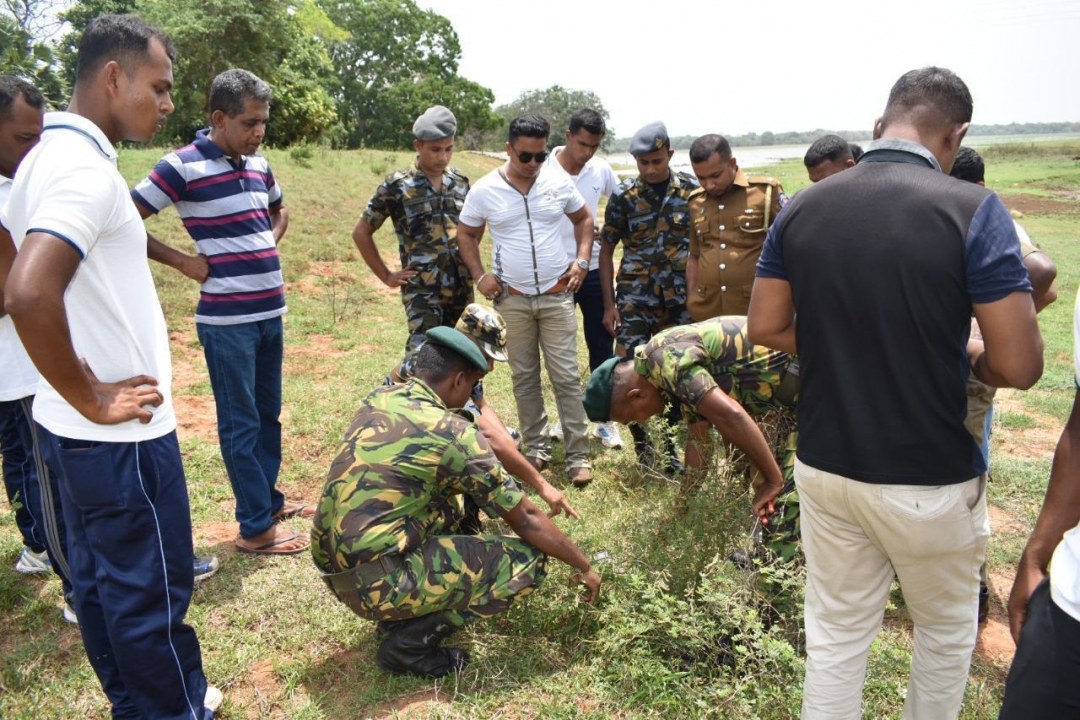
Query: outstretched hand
{"type": "Point", "coordinates": [556, 501]}
{"type": "Point", "coordinates": [591, 581]}
{"type": "Point", "coordinates": [117, 402]}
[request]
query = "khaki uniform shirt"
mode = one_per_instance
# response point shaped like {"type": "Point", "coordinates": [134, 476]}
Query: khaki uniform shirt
{"type": "Point", "coordinates": [726, 237]}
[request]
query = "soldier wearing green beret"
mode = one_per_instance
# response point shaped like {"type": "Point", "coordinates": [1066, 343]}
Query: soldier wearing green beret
{"type": "Point", "coordinates": [388, 533]}
{"type": "Point", "coordinates": [718, 378]}
{"type": "Point", "coordinates": [423, 203]}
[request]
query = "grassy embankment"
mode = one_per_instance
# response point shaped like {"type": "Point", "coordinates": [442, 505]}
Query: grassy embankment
{"type": "Point", "coordinates": [678, 631]}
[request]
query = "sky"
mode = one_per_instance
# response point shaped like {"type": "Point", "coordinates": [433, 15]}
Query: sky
{"type": "Point", "coordinates": [706, 66]}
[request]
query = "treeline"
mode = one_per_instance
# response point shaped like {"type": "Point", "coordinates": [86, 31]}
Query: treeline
{"type": "Point", "coordinates": [350, 73]}
{"type": "Point", "coordinates": [683, 142]}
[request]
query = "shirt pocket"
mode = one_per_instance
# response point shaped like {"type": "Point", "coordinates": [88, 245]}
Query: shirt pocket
{"type": "Point", "coordinates": [420, 215]}
{"type": "Point", "coordinates": [751, 223]}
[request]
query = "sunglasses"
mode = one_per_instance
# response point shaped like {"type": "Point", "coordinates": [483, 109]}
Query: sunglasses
{"type": "Point", "coordinates": [527, 157]}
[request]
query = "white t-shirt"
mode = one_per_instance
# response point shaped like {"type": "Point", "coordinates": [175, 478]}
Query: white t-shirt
{"type": "Point", "coordinates": [596, 180]}
{"type": "Point", "coordinates": [18, 376]}
{"type": "Point", "coordinates": [68, 186]}
{"type": "Point", "coordinates": [1065, 565]}
{"type": "Point", "coordinates": [527, 252]}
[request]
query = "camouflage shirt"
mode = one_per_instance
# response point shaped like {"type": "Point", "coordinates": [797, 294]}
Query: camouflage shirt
{"type": "Point", "coordinates": [655, 232]}
{"type": "Point", "coordinates": [688, 361]}
{"type": "Point", "coordinates": [404, 458]}
{"type": "Point", "coordinates": [425, 220]}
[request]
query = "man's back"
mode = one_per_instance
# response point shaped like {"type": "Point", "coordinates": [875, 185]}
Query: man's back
{"type": "Point", "coordinates": [884, 300]}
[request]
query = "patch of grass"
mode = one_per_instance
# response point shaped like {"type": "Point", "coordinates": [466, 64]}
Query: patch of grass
{"type": "Point", "coordinates": [1014, 421]}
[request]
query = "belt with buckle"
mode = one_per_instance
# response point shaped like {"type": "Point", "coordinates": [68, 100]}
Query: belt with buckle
{"type": "Point", "coordinates": [364, 573]}
{"type": "Point", "coordinates": [556, 288]}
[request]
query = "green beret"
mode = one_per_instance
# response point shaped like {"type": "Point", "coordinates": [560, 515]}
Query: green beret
{"type": "Point", "coordinates": [597, 398]}
{"type": "Point", "coordinates": [460, 343]}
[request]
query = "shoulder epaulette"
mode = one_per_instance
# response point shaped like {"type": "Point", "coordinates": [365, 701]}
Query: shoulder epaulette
{"type": "Point", "coordinates": [397, 175]}
{"type": "Point", "coordinates": [457, 174]}
{"type": "Point", "coordinates": [763, 180]}
{"type": "Point", "coordinates": [687, 178]}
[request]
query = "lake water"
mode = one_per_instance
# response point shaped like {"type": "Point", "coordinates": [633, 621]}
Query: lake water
{"type": "Point", "coordinates": [762, 156]}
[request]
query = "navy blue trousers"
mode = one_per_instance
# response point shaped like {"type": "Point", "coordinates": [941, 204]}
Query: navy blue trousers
{"type": "Point", "coordinates": [590, 299]}
{"type": "Point", "coordinates": [130, 549]}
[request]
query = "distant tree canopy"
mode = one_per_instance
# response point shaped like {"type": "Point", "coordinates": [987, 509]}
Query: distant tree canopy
{"type": "Point", "coordinates": [556, 104]}
{"type": "Point", "coordinates": [351, 72]}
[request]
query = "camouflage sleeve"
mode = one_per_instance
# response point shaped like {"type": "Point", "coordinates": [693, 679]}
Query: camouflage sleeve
{"type": "Point", "coordinates": [680, 370]}
{"type": "Point", "coordinates": [380, 207]}
{"type": "Point", "coordinates": [614, 228]}
{"type": "Point", "coordinates": [469, 466]}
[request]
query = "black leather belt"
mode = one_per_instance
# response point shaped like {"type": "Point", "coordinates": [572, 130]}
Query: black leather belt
{"type": "Point", "coordinates": [364, 573]}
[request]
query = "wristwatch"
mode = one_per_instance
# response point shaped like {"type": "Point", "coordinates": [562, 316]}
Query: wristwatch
{"type": "Point", "coordinates": [583, 264]}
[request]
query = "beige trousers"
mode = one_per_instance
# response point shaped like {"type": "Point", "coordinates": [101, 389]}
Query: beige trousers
{"type": "Point", "coordinates": [856, 537]}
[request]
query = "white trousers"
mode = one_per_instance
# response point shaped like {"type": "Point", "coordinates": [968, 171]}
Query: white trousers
{"type": "Point", "coordinates": [856, 536]}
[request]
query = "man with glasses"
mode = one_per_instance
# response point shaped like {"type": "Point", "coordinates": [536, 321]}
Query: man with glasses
{"type": "Point", "coordinates": [533, 285]}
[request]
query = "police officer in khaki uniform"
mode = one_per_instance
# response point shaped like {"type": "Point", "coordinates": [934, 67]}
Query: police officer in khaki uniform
{"type": "Point", "coordinates": [729, 214]}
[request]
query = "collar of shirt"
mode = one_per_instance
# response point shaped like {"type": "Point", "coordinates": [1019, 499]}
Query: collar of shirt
{"type": "Point", "coordinates": [420, 174]}
{"type": "Point", "coordinates": [419, 388]}
{"type": "Point", "coordinates": [899, 150]}
{"type": "Point", "coordinates": [82, 126]}
{"type": "Point", "coordinates": [740, 179]}
{"type": "Point", "coordinates": [210, 150]}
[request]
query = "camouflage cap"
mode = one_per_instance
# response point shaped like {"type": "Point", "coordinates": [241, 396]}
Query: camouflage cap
{"type": "Point", "coordinates": [460, 343]}
{"type": "Point", "coordinates": [486, 327]}
{"type": "Point", "coordinates": [597, 396]}
{"type": "Point", "coordinates": [437, 123]}
{"type": "Point", "coordinates": [649, 139]}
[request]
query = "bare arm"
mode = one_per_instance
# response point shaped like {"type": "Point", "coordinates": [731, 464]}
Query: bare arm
{"type": "Point", "coordinates": [1043, 273]}
{"type": "Point", "coordinates": [505, 449]}
{"type": "Point", "coordinates": [583, 233]}
{"type": "Point", "coordinates": [34, 296]}
{"type": "Point", "coordinates": [468, 238]}
{"type": "Point", "coordinates": [739, 429]}
{"type": "Point", "coordinates": [279, 222]}
{"type": "Point", "coordinates": [771, 318]}
{"type": "Point", "coordinates": [612, 319]}
{"type": "Point", "coordinates": [1011, 353]}
{"type": "Point", "coordinates": [1060, 513]}
{"type": "Point", "coordinates": [364, 237]}
{"type": "Point", "coordinates": [193, 266]}
{"type": "Point", "coordinates": [7, 257]}
{"type": "Point", "coordinates": [537, 529]}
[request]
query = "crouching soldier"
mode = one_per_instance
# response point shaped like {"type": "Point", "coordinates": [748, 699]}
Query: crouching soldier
{"type": "Point", "coordinates": [388, 534]}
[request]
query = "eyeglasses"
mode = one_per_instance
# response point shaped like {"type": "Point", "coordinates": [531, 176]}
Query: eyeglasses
{"type": "Point", "coordinates": [527, 157]}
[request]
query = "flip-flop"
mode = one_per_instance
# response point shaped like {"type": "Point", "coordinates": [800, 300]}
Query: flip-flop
{"type": "Point", "coordinates": [272, 547]}
{"type": "Point", "coordinates": [299, 509]}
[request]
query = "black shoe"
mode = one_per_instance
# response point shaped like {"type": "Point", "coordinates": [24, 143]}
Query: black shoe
{"type": "Point", "coordinates": [984, 602]}
{"type": "Point", "coordinates": [412, 648]}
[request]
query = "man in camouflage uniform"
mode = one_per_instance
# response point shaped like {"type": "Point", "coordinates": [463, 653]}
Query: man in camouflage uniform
{"type": "Point", "coordinates": [650, 215]}
{"type": "Point", "coordinates": [486, 328]}
{"type": "Point", "coordinates": [713, 372]}
{"type": "Point", "coordinates": [389, 535]}
{"type": "Point", "coordinates": [730, 214]}
{"type": "Point", "coordinates": [423, 202]}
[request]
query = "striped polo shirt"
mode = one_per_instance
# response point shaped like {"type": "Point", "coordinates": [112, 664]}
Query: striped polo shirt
{"type": "Point", "coordinates": [226, 209]}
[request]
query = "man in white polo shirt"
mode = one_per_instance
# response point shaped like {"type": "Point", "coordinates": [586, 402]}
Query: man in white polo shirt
{"type": "Point", "coordinates": [533, 283]}
{"type": "Point", "coordinates": [83, 300]}
{"type": "Point", "coordinates": [1044, 608]}
{"type": "Point", "coordinates": [594, 179]}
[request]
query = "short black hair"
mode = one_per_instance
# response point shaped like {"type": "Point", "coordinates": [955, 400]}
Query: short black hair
{"type": "Point", "coordinates": [703, 148]}
{"type": "Point", "coordinates": [123, 38]}
{"type": "Point", "coordinates": [968, 165]}
{"type": "Point", "coordinates": [590, 120]}
{"type": "Point", "coordinates": [827, 147]}
{"type": "Point", "coordinates": [435, 363]}
{"type": "Point", "coordinates": [12, 87]}
{"type": "Point", "coordinates": [530, 126]}
{"type": "Point", "coordinates": [856, 151]}
{"type": "Point", "coordinates": [232, 88]}
{"type": "Point", "coordinates": [933, 89]}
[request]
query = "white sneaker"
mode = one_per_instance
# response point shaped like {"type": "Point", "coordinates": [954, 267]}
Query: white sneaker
{"type": "Point", "coordinates": [555, 431]}
{"type": "Point", "coordinates": [608, 434]}
{"type": "Point", "coordinates": [213, 699]}
{"type": "Point", "coordinates": [32, 563]}
{"type": "Point", "coordinates": [69, 614]}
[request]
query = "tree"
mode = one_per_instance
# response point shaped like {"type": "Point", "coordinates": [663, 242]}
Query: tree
{"type": "Point", "coordinates": [556, 104]}
{"type": "Point", "coordinates": [21, 55]}
{"type": "Point", "coordinates": [398, 61]}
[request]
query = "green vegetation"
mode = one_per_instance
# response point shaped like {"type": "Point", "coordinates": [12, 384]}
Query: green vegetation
{"type": "Point", "coordinates": [678, 632]}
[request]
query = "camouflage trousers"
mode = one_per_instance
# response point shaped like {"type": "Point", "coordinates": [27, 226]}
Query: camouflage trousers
{"type": "Point", "coordinates": [641, 320]}
{"type": "Point", "coordinates": [428, 309]}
